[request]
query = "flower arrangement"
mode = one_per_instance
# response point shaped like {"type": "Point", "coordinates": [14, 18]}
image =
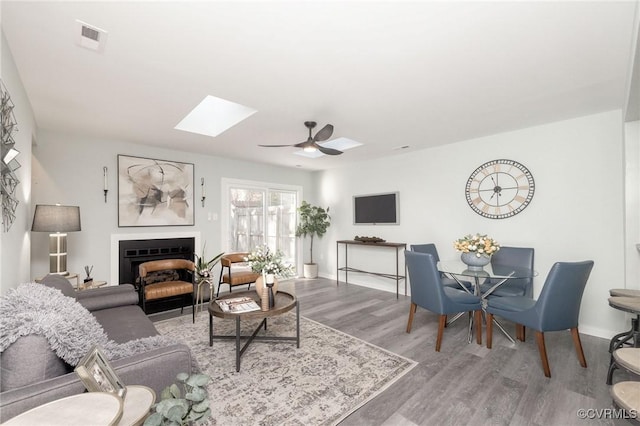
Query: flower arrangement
{"type": "Point", "coordinates": [481, 245]}
{"type": "Point", "coordinates": [265, 261]}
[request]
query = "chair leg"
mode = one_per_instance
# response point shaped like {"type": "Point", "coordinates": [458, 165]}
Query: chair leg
{"type": "Point", "coordinates": [543, 353]}
{"type": "Point", "coordinates": [489, 330]}
{"type": "Point", "coordinates": [412, 310]}
{"type": "Point", "coordinates": [612, 368]}
{"type": "Point", "coordinates": [193, 308]}
{"type": "Point", "coordinates": [578, 346]}
{"type": "Point", "coordinates": [520, 332]}
{"type": "Point", "coordinates": [478, 326]}
{"type": "Point", "coordinates": [441, 324]}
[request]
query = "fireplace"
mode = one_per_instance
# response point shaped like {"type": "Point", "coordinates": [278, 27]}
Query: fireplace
{"type": "Point", "coordinates": [132, 253]}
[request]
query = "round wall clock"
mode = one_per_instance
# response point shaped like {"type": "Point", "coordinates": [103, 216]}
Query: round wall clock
{"type": "Point", "coordinates": [499, 189]}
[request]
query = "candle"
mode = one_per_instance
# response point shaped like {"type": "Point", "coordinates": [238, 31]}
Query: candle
{"type": "Point", "coordinates": [104, 169]}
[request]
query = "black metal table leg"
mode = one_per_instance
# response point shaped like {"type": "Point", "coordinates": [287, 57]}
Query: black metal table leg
{"type": "Point", "coordinates": [238, 343]}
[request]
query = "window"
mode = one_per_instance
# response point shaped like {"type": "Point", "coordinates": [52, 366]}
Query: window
{"type": "Point", "coordinates": [256, 213]}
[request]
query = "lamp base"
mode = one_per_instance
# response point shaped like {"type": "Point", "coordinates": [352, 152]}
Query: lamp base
{"type": "Point", "coordinates": [58, 254]}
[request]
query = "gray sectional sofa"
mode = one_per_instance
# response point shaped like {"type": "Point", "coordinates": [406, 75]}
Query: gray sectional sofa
{"type": "Point", "coordinates": [32, 373]}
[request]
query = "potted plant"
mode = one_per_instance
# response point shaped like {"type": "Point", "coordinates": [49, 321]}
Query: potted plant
{"type": "Point", "coordinates": [204, 269]}
{"type": "Point", "coordinates": [204, 266]}
{"type": "Point", "coordinates": [314, 221]}
{"type": "Point", "coordinates": [184, 406]}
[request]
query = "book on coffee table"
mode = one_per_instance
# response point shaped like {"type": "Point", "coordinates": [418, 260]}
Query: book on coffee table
{"type": "Point", "coordinates": [238, 305]}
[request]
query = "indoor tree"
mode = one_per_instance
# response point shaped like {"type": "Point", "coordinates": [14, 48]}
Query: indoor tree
{"type": "Point", "coordinates": [314, 221]}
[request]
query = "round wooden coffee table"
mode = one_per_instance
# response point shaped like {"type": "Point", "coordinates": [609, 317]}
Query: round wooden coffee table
{"type": "Point", "coordinates": [284, 302]}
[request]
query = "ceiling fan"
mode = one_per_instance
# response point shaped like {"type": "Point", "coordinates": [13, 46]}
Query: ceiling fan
{"type": "Point", "coordinates": [311, 144]}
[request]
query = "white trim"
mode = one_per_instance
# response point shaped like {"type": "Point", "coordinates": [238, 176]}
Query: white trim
{"type": "Point", "coordinates": [116, 238]}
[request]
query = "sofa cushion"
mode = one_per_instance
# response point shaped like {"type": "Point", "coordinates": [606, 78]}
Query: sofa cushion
{"type": "Point", "coordinates": [28, 360]}
{"type": "Point", "coordinates": [61, 283]}
{"type": "Point", "coordinates": [125, 323]}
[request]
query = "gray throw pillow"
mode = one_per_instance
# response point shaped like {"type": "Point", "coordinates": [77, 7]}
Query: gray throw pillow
{"type": "Point", "coordinates": [61, 283]}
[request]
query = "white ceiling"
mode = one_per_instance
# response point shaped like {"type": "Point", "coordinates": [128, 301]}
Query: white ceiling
{"type": "Point", "coordinates": [386, 74]}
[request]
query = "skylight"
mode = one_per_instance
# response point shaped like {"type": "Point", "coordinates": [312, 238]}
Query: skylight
{"type": "Point", "coordinates": [213, 116]}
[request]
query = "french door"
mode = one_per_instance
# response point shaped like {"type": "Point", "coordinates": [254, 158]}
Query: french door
{"type": "Point", "coordinates": [260, 213]}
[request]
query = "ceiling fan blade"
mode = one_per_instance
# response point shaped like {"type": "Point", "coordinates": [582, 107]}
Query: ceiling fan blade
{"type": "Point", "coordinates": [304, 144]}
{"type": "Point", "coordinates": [324, 133]}
{"type": "Point", "coordinates": [275, 146]}
{"type": "Point", "coordinates": [328, 151]}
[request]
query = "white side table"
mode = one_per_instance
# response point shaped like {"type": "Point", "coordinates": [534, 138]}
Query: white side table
{"type": "Point", "coordinates": [91, 284]}
{"type": "Point", "coordinates": [101, 407]}
{"type": "Point", "coordinates": [137, 403]}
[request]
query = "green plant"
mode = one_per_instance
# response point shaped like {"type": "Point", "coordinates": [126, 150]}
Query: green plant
{"type": "Point", "coordinates": [181, 407]}
{"type": "Point", "coordinates": [203, 266]}
{"type": "Point", "coordinates": [314, 221]}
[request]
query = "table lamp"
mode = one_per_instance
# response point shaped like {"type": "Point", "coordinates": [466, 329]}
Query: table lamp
{"type": "Point", "coordinates": [58, 220]}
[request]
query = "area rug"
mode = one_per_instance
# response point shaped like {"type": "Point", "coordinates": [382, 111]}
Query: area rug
{"type": "Point", "coordinates": [330, 376]}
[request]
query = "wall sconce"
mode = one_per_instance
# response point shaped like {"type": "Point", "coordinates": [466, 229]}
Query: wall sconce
{"type": "Point", "coordinates": [106, 186]}
{"type": "Point", "coordinates": [58, 220]}
{"type": "Point", "coordinates": [203, 191]}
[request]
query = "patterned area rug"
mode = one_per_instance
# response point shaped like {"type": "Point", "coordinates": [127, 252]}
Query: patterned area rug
{"type": "Point", "coordinates": [330, 376]}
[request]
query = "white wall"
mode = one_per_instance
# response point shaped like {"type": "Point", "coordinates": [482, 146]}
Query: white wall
{"type": "Point", "coordinates": [14, 245]}
{"type": "Point", "coordinates": [67, 169]}
{"type": "Point", "coordinates": [632, 198]}
{"type": "Point", "coordinates": [577, 212]}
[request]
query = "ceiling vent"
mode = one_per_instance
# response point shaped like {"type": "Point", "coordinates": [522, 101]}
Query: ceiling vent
{"type": "Point", "coordinates": [90, 37]}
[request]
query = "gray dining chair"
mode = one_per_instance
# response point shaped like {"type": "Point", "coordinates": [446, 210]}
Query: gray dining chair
{"type": "Point", "coordinates": [520, 257]}
{"type": "Point", "coordinates": [433, 251]}
{"type": "Point", "coordinates": [428, 292]}
{"type": "Point", "coordinates": [557, 308]}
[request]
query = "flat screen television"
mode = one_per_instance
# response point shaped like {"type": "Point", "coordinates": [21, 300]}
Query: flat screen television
{"type": "Point", "coordinates": [376, 209]}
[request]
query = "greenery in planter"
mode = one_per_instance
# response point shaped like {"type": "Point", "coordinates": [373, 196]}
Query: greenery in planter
{"type": "Point", "coordinates": [313, 221]}
{"type": "Point", "coordinates": [182, 407]}
{"type": "Point", "coordinates": [204, 266]}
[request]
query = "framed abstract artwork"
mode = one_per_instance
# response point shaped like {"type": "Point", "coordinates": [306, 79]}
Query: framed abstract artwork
{"type": "Point", "coordinates": [154, 192]}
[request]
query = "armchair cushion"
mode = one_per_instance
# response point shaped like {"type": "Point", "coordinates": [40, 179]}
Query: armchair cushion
{"type": "Point", "coordinates": [167, 289]}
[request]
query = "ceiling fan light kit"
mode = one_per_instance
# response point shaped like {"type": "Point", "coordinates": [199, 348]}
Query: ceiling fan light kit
{"type": "Point", "coordinates": [311, 144]}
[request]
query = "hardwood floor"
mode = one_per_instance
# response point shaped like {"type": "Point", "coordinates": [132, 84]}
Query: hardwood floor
{"type": "Point", "coordinates": [463, 384]}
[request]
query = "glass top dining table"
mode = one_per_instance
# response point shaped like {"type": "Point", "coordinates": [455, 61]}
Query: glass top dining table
{"type": "Point", "coordinates": [499, 274]}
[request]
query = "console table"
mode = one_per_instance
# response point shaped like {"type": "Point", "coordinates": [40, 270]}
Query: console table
{"type": "Point", "coordinates": [397, 277]}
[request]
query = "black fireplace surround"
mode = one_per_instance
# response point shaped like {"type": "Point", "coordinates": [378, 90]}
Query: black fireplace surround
{"type": "Point", "coordinates": [134, 252]}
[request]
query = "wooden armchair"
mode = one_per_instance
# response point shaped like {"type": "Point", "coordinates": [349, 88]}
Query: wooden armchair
{"type": "Point", "coordinates": [233, 278]}
{"type": "Point", "coordinates": [160, 279]}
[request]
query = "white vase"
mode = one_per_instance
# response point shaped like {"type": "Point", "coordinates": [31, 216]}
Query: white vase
{"type": "Point", "coordinates": [260, 284]}
{"type": "Point", "coordinates": [310, 270]}
{"type": "Point", "coordinates": [474, 262]}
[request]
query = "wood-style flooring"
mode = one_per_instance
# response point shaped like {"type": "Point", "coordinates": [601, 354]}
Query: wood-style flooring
{"type": "Point", "coordinates": [463, 384]}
